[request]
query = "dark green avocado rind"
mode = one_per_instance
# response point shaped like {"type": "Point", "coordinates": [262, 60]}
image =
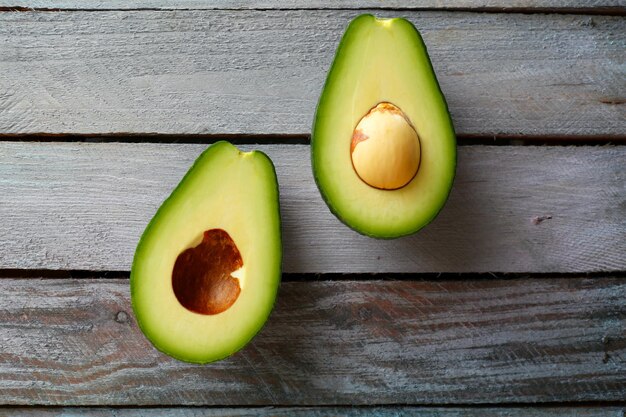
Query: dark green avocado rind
{"type": "Point", "coordinates": [346, 38]}
{"type": "Point", "coordinates": [205, 155]}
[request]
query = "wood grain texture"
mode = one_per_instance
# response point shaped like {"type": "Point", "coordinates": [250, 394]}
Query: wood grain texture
{"type": "Point", "coordinates": [84, 206]}
{"type": "Point", "coordinates": [521, 5]}
{"type": "Point", "coordinates": [261, 72]}
{"type": "Point", "coordinates": [75, 342]}
{"type": "Point", "coordinates": [317, 412]}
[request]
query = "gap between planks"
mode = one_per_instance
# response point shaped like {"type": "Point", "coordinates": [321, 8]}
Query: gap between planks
{"type": "Point", "coordinates": [295, 139]}
{"type": "Point", "coordinates": [566, 410]}
{"type": "Point", "coordinates": [607, 7]}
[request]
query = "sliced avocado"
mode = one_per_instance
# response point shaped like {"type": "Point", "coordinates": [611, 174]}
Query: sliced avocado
{"type": "Point", "coordinates": [383, 146]}
{"type": "Point", "coordinates": [207, 268]}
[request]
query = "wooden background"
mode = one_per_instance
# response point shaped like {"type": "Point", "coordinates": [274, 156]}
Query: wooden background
{"type": "Point", "coordinates": [512, 303]}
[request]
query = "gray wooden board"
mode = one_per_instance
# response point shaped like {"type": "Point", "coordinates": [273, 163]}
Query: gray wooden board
{"type": "Point", "coordinates": [594, 411]}
{"type": "Point", "coordinates": [525, 5]}
{"type": "Point", "coordinates": [84, 205]}
{"type": "Point", "coordinates": [75, 342]}
{"type": "Point", "coordinates": [261, 72]}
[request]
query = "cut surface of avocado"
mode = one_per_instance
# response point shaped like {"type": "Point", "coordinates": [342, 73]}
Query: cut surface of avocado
{"type": "Point", "coordinates": [207, 268]}
{"type": "Point", "coordinates": [383, 146]}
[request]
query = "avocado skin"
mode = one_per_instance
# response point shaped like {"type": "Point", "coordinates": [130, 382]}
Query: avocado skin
{"type": "Point", "coordinates": [215, 147]}
{"type": "Point", "coordinates": [337, 213]}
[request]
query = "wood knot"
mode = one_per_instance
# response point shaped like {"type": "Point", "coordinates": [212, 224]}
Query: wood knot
{"type": "Point", "coordinates": [121, 317]}
{"type": "Point", "coordinates": [365, 313]}
{"type": "Point", "coordinates": [539, 219]}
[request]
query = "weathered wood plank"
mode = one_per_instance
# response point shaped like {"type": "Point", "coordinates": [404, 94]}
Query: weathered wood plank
{"type": "Point", "coordinates": [317, 412]}
{"type": "Point", "coordinates": [521, 5]}
{"type": "Point", "coordinates": [84, 206]}
{"type": "Point", "coordinates": [261, 72]}
{"type": "Point", "coordinates": [75, 342]}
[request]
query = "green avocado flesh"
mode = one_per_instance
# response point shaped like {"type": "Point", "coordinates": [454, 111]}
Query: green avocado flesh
{"type": "Point", "coordinates": [232, 195]}
{"type": "Point", "coordinates": [382, 60]}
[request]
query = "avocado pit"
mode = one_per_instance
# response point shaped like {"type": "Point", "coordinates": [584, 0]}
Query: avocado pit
{"type": "Point", "coordinates": [385, 148]}
{"type": "Point", "coordinates": [202, 277]}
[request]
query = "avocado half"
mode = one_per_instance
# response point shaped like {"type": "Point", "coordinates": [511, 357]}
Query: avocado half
{"type": "Point", "coordinates": [382, 61]}
{"type": "Point", "coordinates": [207, 268]}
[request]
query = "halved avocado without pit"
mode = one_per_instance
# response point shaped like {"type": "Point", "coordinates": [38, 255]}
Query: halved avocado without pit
{"type": "Point", "coordinates": [207, 268]}
{"type": "Point", "coordinates": [383, 145]}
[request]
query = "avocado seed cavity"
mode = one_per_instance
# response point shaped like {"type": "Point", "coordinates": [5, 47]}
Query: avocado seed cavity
{"type": "Point", "coordinates": [385, 148]}
{"type": "Point", "coordinates": [204, 277]}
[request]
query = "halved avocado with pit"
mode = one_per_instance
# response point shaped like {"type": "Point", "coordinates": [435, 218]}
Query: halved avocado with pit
{"type": "Point", "coordinates": [207, 268]}
{"type": "Point", "coordinates": [383, 145]}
